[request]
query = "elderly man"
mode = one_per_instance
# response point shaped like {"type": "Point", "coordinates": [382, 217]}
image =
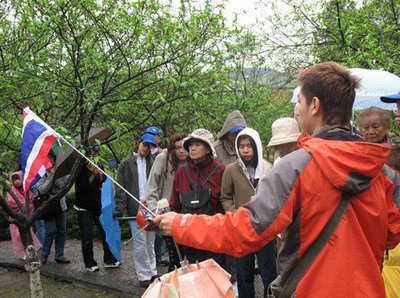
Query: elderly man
{"type": "Point", "coordinates": [332, 206]}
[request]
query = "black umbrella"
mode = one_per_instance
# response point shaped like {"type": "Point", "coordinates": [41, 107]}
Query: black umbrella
{"type": "Point", "coordinates": [67, 156]}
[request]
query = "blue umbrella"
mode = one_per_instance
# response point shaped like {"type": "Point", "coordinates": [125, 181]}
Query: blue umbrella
{"type": "Point", "coordinates": [374, 84]}
{"type": "Point", "coordinates": [110, 226]}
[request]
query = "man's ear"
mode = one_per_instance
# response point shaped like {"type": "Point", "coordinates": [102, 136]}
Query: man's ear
{"type": "Point", "coordinates": [316, 106]}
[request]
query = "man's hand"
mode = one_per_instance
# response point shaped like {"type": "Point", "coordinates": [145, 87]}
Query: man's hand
{"type": "Point", "coordinates": [164, 222]}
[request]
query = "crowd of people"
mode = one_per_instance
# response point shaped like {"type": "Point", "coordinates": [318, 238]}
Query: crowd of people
{"type": "Point", "coordinates": [227, 200]}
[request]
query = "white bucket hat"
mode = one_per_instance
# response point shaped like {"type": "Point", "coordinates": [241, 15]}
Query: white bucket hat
{"type": "Point", "coordinates": [203, 135]}
{"type": "Point", "coordinates": [284, 130]}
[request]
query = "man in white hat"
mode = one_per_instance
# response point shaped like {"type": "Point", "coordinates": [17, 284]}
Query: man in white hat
{"type": "Point", "coordinates": [285, 132]}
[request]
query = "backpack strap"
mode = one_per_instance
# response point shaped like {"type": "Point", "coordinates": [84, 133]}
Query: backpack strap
{"type": "Point", "coordinates": [205, 180]}
{"type": "Point", "coordinates": [190, 177]}
{"type": "Point", "coordinates": [209, 175]}
{"type": "Point", "coordinates": [316, 247]}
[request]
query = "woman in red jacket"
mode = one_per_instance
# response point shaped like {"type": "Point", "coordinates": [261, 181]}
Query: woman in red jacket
{"type": "Point", "coordinates": [197, 187]}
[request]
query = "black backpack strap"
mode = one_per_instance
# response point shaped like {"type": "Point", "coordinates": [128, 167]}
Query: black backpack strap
{"type": "Point", "coordinates": [315, 248]}
{"type": "Point", "coordinates": [209, 175]}
{"type": "Point", "coordinates": [190, 177]}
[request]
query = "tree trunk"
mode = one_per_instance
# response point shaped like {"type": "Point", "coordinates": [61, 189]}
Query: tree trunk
{"type": "Point", "coordinates": [32, 265]}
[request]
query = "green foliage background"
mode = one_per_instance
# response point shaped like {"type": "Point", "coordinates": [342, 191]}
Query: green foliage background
{"type": "Point", "coordinates": [128, 65]}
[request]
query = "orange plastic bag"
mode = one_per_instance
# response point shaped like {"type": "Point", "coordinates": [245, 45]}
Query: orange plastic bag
{"type": "Point", "coordinates": [206, 279]}
{"type": "Point", "coordinates": [142, 216]}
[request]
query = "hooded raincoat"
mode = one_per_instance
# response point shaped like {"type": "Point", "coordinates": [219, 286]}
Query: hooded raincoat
{"type": "Point", "coordinates": [298, 197]}
{"type": "Point", "coordinates": [18, 247]}
{"type": "Point", "coordinates": [226, 153]}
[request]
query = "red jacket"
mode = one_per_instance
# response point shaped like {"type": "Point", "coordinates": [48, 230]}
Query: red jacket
{"type": "Point", "coordinates": [298, 197]}
{"type": "Point", "coordinates": [198, 172]}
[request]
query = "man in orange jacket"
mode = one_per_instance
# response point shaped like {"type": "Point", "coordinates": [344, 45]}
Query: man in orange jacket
{"type": "Point", "coordinates": [300, 194]}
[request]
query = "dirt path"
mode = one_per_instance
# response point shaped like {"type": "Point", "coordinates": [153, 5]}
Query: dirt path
{"type": "Point", "coordinates": [12, 279]}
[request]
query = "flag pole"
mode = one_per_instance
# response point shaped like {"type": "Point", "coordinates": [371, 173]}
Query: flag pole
{"type": "Point", "coordinates": [96, 166]}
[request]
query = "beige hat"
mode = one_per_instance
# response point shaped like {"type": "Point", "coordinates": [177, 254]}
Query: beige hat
{"type": "Point", "coordinates": [203, 135]}
{"type": "Point", "coordinates": [284, 130]}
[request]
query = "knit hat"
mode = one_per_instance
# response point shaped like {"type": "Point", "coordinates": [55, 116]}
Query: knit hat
{"type": "Point", "coordinates": [202, 135]}
{"type": "Point", "coordinates": [284, 130]}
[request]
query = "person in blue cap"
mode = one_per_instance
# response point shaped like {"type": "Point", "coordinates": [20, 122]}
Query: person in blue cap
{"type": "Point", "coordinates": [159, 244]}
{"type": "Point", "coordinates": [132, 175]}
{"type": "Point", "coordinates": [394, 98]}
{"type": "Point", "coordinates": [155, 132]}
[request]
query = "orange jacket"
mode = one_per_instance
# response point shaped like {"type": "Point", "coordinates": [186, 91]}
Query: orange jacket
{"type": "Point", "coordinates": [298, 197]}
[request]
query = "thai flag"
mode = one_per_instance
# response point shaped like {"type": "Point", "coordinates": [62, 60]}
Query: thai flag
{"type": "Point", "coordinates": [37, 140]}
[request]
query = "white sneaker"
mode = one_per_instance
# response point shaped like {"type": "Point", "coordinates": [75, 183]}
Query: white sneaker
{"type": "Point", "coordinates": [93, 269]}
{"type": "Point", "coordinates": [112, 265]}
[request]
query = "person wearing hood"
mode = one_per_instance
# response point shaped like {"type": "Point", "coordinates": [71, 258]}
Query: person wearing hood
{"type": "Point", "coordinates": [225, 146]}
{"type": "Point", "coordinates": [334, 172]}
{"type": "Point", "coordinates": [199, 178]}
{"type": "Point", "coordinates": [16, 181]}
{"type": "Point", "coordinates": [239, 184]}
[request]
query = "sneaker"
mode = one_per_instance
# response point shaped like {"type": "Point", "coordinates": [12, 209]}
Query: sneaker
{"type": "Point", "coordinates": [43, 259]}
{"type": "Point", "coordinates": [153, 278]}
{"type": "Point", "coordinates": [144, 283]}
{"type": "Point", "coordinates": [162, 263]}
{"type": "Point", "coordinates": [112, 265]}
{"type": "Point", "coordinates": [93, 268]}
{"type": "Point", "coordinates": [62, 260]}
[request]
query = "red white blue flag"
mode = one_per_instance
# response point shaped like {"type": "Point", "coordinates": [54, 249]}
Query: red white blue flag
{"type": "Point", "coordinates": [37, 140]}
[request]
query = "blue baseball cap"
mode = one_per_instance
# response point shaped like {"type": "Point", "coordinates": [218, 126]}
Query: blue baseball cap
{"type": "Point", "coordinates": [153, 130]}
{"type": "Point", "coordinates": [236, 129]}
{"type": "Point", "coordinates": [149, 138]}
{"type": "Point", "coordinates": [391, 98]}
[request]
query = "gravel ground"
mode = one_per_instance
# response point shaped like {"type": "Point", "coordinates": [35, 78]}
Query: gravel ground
{"type": "Point", "coordinates": [123, 278]}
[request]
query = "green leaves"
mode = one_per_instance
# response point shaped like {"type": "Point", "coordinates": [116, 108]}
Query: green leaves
{"type": "Point", "coordinates": [127, 65]}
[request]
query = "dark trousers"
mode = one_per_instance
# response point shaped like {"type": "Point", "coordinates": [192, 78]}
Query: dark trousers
{"type": "Point", "coordinates": [174, 260]}
{"type": "Point", "coordinates": [86, 220]}
{"type": "Point", "coordinates": [266, 259]}
{"type": "Point", "coordinates": [194, 255]}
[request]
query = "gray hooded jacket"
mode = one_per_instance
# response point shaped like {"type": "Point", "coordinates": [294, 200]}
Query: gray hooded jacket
{"type": "Point", "coordinates": [226, 153]}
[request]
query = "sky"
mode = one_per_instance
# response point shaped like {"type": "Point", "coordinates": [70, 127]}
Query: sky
{"type": "Point", "coordinates": [247, 10]}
